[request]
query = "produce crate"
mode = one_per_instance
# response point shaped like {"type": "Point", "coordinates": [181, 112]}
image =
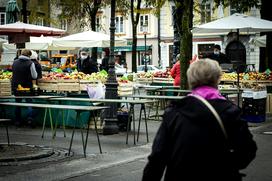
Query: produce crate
{"type": "Point", "coordinates": [48, 85]}
{"type": "Point", "coordinates": [5, 87]}
{"type": "Point", "coordinates": [67, 85]}
{"type": "Point", "coordinates": [144, 80]}
{"type": "Point", "coordinates": [163, 80]}
{"type": "Point", "coordinates": [84, 83]}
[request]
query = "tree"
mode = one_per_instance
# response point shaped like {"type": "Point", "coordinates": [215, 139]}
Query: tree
{"type": "Point", "coordinates": [135, 15]}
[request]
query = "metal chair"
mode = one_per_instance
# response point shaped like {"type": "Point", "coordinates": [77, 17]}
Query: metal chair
{"type": "Point", "coordinates": [5, 122]}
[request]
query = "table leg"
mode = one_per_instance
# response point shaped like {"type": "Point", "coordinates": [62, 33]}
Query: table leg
{"type": "Point", "coordinates": [51, 122]}
{"type": "Point", "coordinates": [95, 126]}
{"type": "Point", "coordinates": [133, 119]}
{"type": "Point", "coordinates": [63, 123]}
{"type": "Point", "coordinates": [139, 124]}
{"type": "Point", "coordinates": [129, 122]}
{"type": "Point", "coordinates": [71, 142]}
{"type": "Point", "coordinates": [44, 119]}
{"type": "Point", "coordinates": [82, 135]}
{"type": "Point", "coordinates": [146, 129]}
{"type": "Point", "coordinates": [7, 134]}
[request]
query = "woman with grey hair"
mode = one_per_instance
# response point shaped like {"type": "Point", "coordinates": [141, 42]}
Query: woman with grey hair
{"type": "Point", "coordinates": [190, 144]}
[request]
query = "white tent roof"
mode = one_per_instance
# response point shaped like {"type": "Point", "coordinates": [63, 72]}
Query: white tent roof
{"type": "Point", "coordinates": [259, 41]}
{"type": "Point", "coordinates": [234, 22]}
{"type": "Point", "coordinates": [88, 39]}
{"type": "Point", "coordinates": [44, 43]}
{"type": "Point", "coordinates": [20, 27]}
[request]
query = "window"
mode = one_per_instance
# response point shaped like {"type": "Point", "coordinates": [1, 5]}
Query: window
{"type": "Point", "coordinates": [98, 23]}
{"type": "Point", "coordinates": [63, 24]}
{"type": "Point", "coordinates": [205, 12]}
{"type": "Point", "coordinates": [144, 21]}
{"type": "Point", "coordinates": [119, 20]}
{"type": "Point", "coordinates": [2, 18]}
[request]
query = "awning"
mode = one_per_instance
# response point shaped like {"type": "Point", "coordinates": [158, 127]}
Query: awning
{"type": "Point", "coordinates": [129, 48]}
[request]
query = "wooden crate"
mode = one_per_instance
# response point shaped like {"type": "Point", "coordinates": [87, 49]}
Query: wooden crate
{"type": "Point", "coordinates": [48, 85]}
{"type": "Point", "coordinates": [5, 87]}
{"type": "Point", "coordinates": [84, 83]}
{"type": "Point", "coordinates": [68, 87]}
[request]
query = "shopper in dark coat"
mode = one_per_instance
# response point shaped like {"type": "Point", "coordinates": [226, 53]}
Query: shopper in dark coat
{"type": "Point", "coordinates": [85, 63]}
{"type": "Point", "coordinates": [190, 145]}
{"type": "Point", "coordinates": [105, 60]}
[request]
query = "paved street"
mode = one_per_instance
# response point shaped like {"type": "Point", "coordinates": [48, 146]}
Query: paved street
{"type": "Point", "coordinates": [117, 163]}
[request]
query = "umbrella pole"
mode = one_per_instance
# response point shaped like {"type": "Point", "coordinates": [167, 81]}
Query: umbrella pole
{"type": "Point", "coordinates": [238, 34]}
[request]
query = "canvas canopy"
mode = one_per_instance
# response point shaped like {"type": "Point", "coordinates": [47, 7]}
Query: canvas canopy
{"type": "Point", "coordinates": [43, 43]}
{"type": "Point", "coordinates": [31, 29]}
{"type": "Point", "coordinates": [235, 22]}
{"type": "Point", "coordinates": [259, 41]}
{"type": "Point", "coordinates": [87, 39]}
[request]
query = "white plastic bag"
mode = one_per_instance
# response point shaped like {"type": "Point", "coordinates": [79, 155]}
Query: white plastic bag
{"type": "Point", "coordinates": [96, 92]}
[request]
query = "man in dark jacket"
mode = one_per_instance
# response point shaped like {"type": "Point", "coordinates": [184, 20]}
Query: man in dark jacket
{"type": "Point", "coordinates": [85, 63]}
{"type": "Point", "coordinates": [217, 55]}
{"type": "Point", "coordinates": [190, 145]}
{"type": "Point", "coordinates": [105, 60]}
{"type": "Point", "coordinates": [23, 72]}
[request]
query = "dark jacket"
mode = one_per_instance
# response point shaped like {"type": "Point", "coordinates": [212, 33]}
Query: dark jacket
{"type": "Point", "coordinates": [191, 146]}
{"type": "Point", "coordinates": [105, 64]}
{"type": "Point", "coordinates": [220, 58]}
{"type": "Point", "coordinates": [21, 73]}
{"type": "Point", "coordinates": [88, 66]}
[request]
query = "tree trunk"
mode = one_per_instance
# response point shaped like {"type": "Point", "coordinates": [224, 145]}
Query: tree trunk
{"type": "Point", "coordinates": [134, 21]}
{"type": "Point", "coordinates": [186, 40]}
{"type": "Point", "coordinates": [93, 13]}
{"type": "Point", "coordinates": [134, 48]}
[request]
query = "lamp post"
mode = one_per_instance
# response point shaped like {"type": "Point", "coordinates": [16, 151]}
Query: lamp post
{"type": "Point", "coordinates": [110, 115]}
{"type": "Point", "coordinates": [145, 32]}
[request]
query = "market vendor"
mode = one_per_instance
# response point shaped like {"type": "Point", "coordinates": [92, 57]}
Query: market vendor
{"type": "Point", "coordinates": [24, 71]}
{"type": "Point", "coordinates": [85, 63]}
{"type": "Point", "coordinates": [217, 55]}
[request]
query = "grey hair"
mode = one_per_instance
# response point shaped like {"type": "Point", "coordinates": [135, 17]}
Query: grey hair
{"type": "Point", "coordinates": [204, 72]}
{"type": "Point", "coordinates": [178, 57]}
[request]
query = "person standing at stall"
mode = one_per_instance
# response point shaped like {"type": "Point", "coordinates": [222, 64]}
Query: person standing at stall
{"type": "Point", "coordinates": [105, 60]}
{"type": "Point", "coordinates": [175, 71]}
{"type": "Point", "coordinates": [85, 63]}
{"type": "Point", "coordinates": [23, 72]}
{"type": "Point", "coordinates": [34, 59]}
{"type": "Point", "coordinates": [217, 55]}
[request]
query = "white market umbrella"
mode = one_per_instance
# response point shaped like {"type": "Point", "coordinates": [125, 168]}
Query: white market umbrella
{"type": "Point", "coordinates": [44, 43]}
{"type": "Point", "coordinates": [31, 29]}
{"type": "Point", "coordinates": [259, 41]}
{"type": "Point", "coordinates": [88, 39]}
{"type": "Point", "coordinates": [235, 22]}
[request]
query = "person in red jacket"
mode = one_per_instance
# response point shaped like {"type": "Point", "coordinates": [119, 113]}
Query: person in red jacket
{"type": "Point", "coordinates": [175, 71]}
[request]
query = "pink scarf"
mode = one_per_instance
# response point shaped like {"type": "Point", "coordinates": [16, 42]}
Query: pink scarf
{"type": "Point", "coordinates": [207, 92]}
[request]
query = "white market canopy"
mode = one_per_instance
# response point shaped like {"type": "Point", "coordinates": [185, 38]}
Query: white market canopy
{"type": "Point", "coordinates": [235, 22]}
{"type": "Point", "coordinates": [3, 40]}
{"type": "Point", "coordinates": [87, 39]}
{"type": "Point", "coordinates": [31, 29]}
{"type": "Point", "coordinates": [44, 43]}
{"type": "Point", "coordinates": [259, 41]}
